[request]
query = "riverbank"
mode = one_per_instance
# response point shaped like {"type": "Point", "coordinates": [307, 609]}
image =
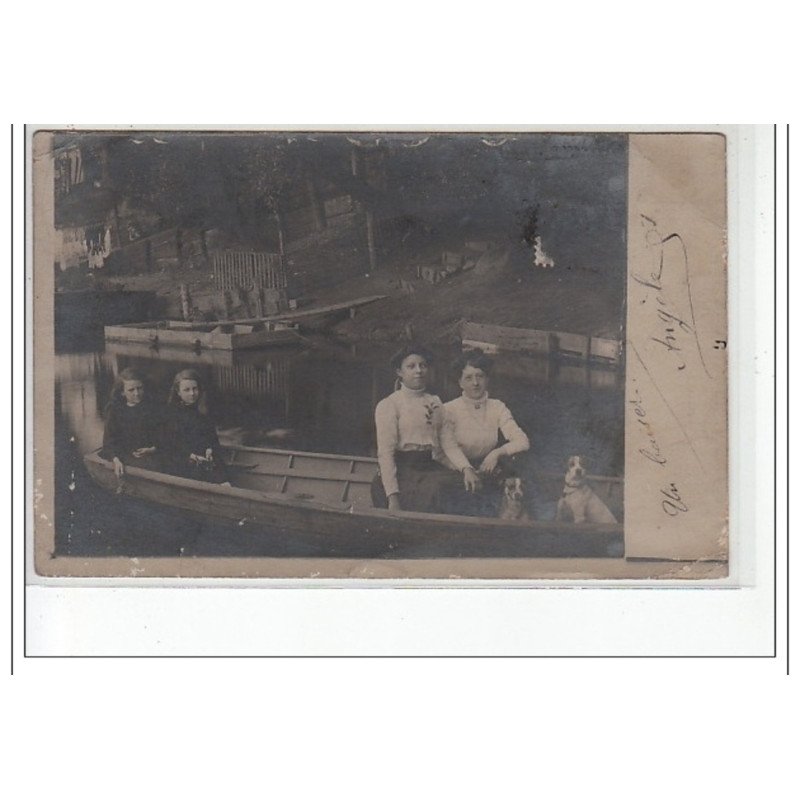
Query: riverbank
{"type": "Point", "coordinates": [499, 290]}
{"type": "Point", "coordinates": [497, 287]}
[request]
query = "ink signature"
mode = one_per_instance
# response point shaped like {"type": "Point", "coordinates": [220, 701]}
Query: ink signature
{"type": "Point", "coordinates": [673, 328]}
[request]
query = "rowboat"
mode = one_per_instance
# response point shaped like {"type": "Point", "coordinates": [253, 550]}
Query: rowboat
{"type": "Point", "coordinates": [325, 499]}
{"type": "Point", "coordinates": [202, 335]}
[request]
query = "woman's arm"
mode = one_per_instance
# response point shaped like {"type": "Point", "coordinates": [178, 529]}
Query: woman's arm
{"type": "Point", "coordinates": [387, 437]}
{"type": "Point", "coordinates": [518, 441]}
{"type": "Point", "coordinates": [455, 455]}
{"type": "Point", "coordinates": [449, 443]}
{"type": "Point", "coordinates": [112, 447]}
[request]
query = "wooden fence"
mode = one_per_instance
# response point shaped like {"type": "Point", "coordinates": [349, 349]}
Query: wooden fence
{"type": "Point", "coordinates": [270, 382]}
{"type": "Point", "coordinates": [241, 269]}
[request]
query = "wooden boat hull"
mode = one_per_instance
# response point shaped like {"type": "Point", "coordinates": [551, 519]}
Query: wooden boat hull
{"type": "Point", "coordinates": [309, 499]}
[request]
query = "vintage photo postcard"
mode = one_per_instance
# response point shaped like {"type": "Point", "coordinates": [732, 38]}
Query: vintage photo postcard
{"type": "Point", "coordinates": [445, 354]}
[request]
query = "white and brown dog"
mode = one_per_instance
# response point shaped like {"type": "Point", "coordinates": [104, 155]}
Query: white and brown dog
{"type": "Point", "coordinates": [512, 500]}
{"type": "Point", "coordinates": [578, 501]}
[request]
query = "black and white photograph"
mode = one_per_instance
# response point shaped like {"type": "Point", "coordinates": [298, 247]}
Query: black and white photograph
{"type": "Point", "coordinates": [274, 352]}
{"type": "Point", "coordinates": [398, 380]}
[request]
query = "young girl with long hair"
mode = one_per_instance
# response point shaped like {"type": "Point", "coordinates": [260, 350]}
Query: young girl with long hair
{"type": "Point", "coordinates": [132, 422]}
{"type": "Point", "coordinates": [190, 434]}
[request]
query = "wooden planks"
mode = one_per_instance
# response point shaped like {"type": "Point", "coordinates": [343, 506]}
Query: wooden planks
{"type": "Point", "coordinates": [313, 506]}
{"type": "Point", "coordinates": [248, 269]}
{"type": "Point", "coordinates": [211, 335]}
{"type": "Point", "coordinates": [497, 338]}
{"type": "Point", "coordinates": [316, 311]}
{"type": "Point", "coordinates": [494, 338]}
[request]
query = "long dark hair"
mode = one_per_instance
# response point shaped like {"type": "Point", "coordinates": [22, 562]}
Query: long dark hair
{"type": "Point", "coordinates": [174, 398]}
{"type": "Point", "coordinates": [127, 374]}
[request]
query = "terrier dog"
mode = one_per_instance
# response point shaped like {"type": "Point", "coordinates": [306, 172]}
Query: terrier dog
{"type": "Point", "coordinates": [511, 502]}
{"type": "Point", "coordinates": [578, 502]}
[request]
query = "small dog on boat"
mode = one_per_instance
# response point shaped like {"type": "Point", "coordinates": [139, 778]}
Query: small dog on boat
{"type": "Point", "coordinates": [511, 502]}
{"type": "Point", "coordinates": [578, 501]}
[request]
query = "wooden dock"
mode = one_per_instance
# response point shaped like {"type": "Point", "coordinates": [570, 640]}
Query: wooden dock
{"type": "Point", "coordinates": [301, 315]}
{"type": "Point", "coordinates": [494, 339]}
{"type": "Point", "coordinates": [230, 335]}
{"type": "Point", "coordinates": [124, 352]}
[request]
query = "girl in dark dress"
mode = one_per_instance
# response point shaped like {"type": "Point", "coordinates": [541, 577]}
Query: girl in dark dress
{"type": "Point", "coordinates": [132, 425]}
{"type": "Point", "coordinates": [190, 434]}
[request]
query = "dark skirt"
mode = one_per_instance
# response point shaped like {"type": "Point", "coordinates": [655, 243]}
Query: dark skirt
{"type": "Point", "coordinates": [485, 500]}
{"type": "Point", "coordinates": [215, 472]}
{"type": "Point", "coordinates": [188, 431]}
{"type": "Point", "coordinates": [420, 479]}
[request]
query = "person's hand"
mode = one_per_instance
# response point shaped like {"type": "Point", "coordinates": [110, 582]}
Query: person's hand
{"type": "Point", "coordinates": [471, 480]}
{"type": "Point", "coordinates": [489, 464]}
{"type": "Point", "coordinates": [196, 458]}
{"type": "Point", "coordinates": [394, 502]}
{"type": "Point", "coordinates": [143, 451]}
{"type": "Point", "coordinates": [119, 467]}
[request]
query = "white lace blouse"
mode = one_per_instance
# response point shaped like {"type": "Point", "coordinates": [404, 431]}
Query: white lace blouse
{"type": "Point", "coordinates": [411, 419]}
{"type": "Point", "coordinates": [475, 424]}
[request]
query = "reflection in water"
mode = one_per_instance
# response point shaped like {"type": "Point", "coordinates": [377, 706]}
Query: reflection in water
{"type": "Point", "coordinates": [83, 386]}
{"type": "Point", "coordinates": [321, 398]}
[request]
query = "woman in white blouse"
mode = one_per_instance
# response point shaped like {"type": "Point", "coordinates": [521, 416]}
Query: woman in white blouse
{"type": "Point", "coordinates": [408, 426]}
{"type": "Point", "coordinates": [475, 421]}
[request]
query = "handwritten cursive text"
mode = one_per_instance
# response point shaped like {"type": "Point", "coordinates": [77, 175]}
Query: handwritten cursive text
{"type": "Point", "coordinates": [652, 450]}
{"type": "Point", "coordinates": [673, 328]}
{"type": "Point", "coordinates": [672, 504]}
